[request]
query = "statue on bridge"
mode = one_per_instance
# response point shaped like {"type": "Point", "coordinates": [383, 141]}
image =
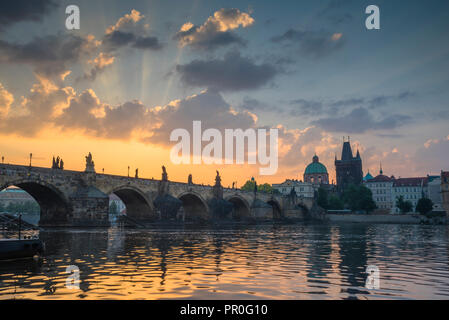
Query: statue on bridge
{"type": "Point", "coordinates": [90, 165]}
{"type": "Point", "coordinates": [218, 189]}
{"type": "Point", "coordinates": [57, 163]}
{"type": "Point", "coordinates": [137, 173]}
{"type": "Point", "coordinates": [164, 174]}
{"type": "Point", "coordinates": [189, 179]}
{"type": "Point", "coordinates": [218, 179]}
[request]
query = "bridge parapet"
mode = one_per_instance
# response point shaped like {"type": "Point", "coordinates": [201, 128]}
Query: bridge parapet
{"type": "Point", "coordinates": [74, 198]}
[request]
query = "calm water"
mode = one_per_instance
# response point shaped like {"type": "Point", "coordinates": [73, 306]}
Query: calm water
{"type": "Point", "coordinates": [259, 262]}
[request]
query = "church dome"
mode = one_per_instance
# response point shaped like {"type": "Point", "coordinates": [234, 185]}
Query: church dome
{"type": "Point", "coordinates": [315, 167]}
{"type": "Point", "coordinates": [368, 177]}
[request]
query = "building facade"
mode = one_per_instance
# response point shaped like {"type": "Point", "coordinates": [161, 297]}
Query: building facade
{"type": "Point", "coordinates": [434, 192]}
{"type": "Point", "coordinates": [302, 189]}
{"type": "Point", "coordinates": [316, 172]}
{"type": "Point", "coordinates": [411, 189]}
{"type": "Point", "coordinates": [445, 190]}
{"type": "Point", "coordinates": [381, 187]}
{"type": "Point", "coordinates": [348, 168]}
{"type": "Point", "coordinates": [14, 195]}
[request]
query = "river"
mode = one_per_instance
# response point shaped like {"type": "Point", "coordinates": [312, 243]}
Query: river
{"type": "Point", "coordinates": [302, 261]}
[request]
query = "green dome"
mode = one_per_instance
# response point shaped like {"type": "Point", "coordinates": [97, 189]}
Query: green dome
{"type": "Point", "coordinates": [315, 167]}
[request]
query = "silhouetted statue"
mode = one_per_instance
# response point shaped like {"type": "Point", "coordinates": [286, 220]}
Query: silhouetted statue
{"type": "Point", "coordinates": [164, 174]}
{"type": "Point", "coordinates": [189, 180]}
{"type": "Point", "coordinates": [233, 185]}
{"type": "Point", "coordinates": [61, 165]}
{"type": "Point", "coordinates": [53, 165]}
{"type": "Point", "coordinates": [90, 165]}
{"type": "Point", "coordinates": [137, 173]}
{"type": "Point", "coordinates": [218, 179]}
{"type": "Point", "coordinates": [57, 162]}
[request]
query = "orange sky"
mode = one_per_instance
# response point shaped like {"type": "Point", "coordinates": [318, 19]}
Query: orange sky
{"type": "Point", "coordinates": [115, 156]}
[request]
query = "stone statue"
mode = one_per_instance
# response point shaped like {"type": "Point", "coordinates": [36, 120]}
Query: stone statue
{"type": "Point", "coordinates": [164, 174]}
{"type": "Point", "coordinates": [53, 165]}
{"type": "Point", "coordinates": [189, 180]}
{"type": "Point", "coordinates": [233, 185]}
{"type": "Point", "coordinates": [61, 165]}
{"type": "Point", "coordinates": [57, 162]}
{"type": "Point", "coordinates": [137, 173]}
{"type": "Point", "coordinates": [218, 179]}
{"type": "Point", "coordinates": [90, 165]}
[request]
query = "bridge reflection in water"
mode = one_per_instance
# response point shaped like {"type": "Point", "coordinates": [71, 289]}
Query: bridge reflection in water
{"type": "Point", "coordinates": [302, 261]}
{"type": "Point", "coordinates": [78, 199]}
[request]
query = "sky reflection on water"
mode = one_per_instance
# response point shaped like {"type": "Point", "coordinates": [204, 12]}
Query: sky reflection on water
{"type": "Point", "coordinates": [257, 262]}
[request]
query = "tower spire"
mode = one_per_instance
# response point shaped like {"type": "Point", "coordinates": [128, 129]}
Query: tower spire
{"type": "Point", "coordinates": [381, 171]}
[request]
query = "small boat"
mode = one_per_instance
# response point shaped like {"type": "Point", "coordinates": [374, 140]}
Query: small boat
{"type": "Point", "coordinates": [23, 248]}
{"type": "Point", "coordinates": [20, 248]}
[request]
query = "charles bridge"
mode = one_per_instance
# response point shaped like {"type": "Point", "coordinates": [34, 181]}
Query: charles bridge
{"type": "Point", "coordinates": [74, 198]}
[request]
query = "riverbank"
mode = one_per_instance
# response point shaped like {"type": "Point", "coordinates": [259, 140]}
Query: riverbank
{"type": "Point", "coordinates": [386, 219]}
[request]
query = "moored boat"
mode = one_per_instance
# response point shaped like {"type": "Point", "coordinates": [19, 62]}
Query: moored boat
{"type": "Point", "coordinates": [23, 248]}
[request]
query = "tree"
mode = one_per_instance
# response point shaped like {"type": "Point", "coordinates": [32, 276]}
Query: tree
{"type": "Point", "coordinates": [403, 206]}
{"type": "Point", "coordinates": [322, 198]}
{"type": "Point", "coordinates": [113, 209]}
{"type": "Point", "coordinates": [249, 186]}
{"type": "Point", "coordinates": [335, 203]}
{"type": "Point", "coordinates": [424, 205]}
{"type": "Point", "coordinates": [359, 198]}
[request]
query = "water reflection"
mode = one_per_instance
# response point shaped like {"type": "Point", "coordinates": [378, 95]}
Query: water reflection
{"type": "Point", "coordinates": [257, 262]}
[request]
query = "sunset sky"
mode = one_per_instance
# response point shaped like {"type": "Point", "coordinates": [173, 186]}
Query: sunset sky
{"type": "Point", "coordinates": [136, 70]}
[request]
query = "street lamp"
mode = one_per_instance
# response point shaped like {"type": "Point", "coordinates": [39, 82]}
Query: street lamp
{"type": "Point", "coordinates": [128, 171]}
{"type": "Point", "coordinates": [31, 156]}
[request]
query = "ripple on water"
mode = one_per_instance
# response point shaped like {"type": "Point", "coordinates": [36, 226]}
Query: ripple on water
{"type": "Point", "coordinates": [258, 262]}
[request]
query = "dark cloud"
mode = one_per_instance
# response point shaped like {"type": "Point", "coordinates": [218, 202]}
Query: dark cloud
{"type": "Point", "coordinates": [208, 106]}
{"type": "Point", "coordinates": [312, 44]}
{"type": "Point", "coordinates": [390, 136]}
{"type": "Point", "coordinates": [118, 39]}
{"type": "Point", "coordinates": [147, 43]}
{"type": "Point", "coordinates": [232, 73]}
{"type": "Point", "coordinates": [49, 55]}
{"type": "Point", "coordinates": [14, 11]}
{"type": "Point", "coordinates": [213, 41]}
{"type": "Point", "coordinates": [336, 12]}
{"type": "Point", "coordinates": [383, 100]}
{"type": "Point", "coordinates": [360, 120]}
{"type": "Point", "coordinates": [306, 108]}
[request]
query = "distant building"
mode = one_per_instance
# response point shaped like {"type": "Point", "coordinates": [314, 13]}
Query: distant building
{"type": "Point", "coordinates": [411, 189]}
{"type": "Point", "coordinates": [434, 192]}
{"type": "Point", "coordinates": [302, 189]}
{"type": "Point", "coordinates": [316, 172]}
{"type": "Point", "coordinates": [445, 190]}
{"type": "Point", "coordinates": [14, 195]}
{"type": "Point", "coordinates": [348, 168]}
{"type": "Point", "coordinates": [121, 208]}
{"type": "Point", "coordinates": [381, 187]}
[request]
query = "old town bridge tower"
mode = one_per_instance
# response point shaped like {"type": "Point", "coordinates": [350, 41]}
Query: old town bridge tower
{"type": "Point", "coordinates": [349, 168]}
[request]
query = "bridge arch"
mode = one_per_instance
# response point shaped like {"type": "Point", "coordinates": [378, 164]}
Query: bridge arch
{"type": "Point", "coordinates": [55, 208]}
{"type": "Point", "coordinates": [195, 208]}
{"type": "Point", "coordinates": [242, 209]}
{"type": "Point", "coordinates": [277, 210]}
{"type": "Point", "coordinates": [138, 205]}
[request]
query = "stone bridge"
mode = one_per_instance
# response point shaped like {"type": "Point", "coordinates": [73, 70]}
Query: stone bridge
{"type": "Point", "coordinates": [74, 198]}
